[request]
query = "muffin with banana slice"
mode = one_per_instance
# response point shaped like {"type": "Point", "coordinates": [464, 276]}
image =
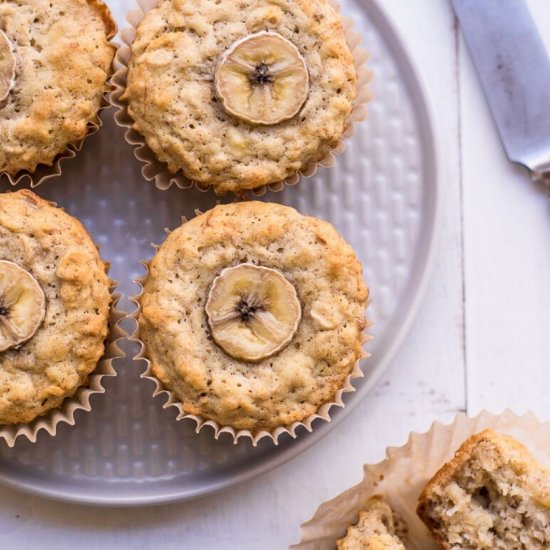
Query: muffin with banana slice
{"type": "Point", "coordinates": [54, 307]}
{"type": "Point", "coordinates": [55, 59]}
{"type": "Point", "coordinates": [239, 97]}
{"type": "Point", "coordinates": [252, 316]}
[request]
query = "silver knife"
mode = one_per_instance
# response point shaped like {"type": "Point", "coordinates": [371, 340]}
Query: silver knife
{"type": "Point", "coordinates": [514, 69]}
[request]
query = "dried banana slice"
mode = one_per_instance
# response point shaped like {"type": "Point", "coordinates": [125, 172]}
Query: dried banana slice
{"type": "Point", "coordinates": [7, 66]}
{"type": "Point", "coordinates": [253, 312]}
{"type": "Point", "coordinates": [262, 79]}
{"type": "Point", "coordinates": [22, 305]}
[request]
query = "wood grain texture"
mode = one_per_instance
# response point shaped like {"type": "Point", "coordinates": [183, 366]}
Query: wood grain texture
{"type": "Point", "coordinates": [507, 261]}
{"type": "Point", "coordinates": [490, 314]}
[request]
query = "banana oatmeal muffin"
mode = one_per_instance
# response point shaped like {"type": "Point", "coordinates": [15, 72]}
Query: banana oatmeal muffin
{"type": "Point", "coordinates": [55, 59]}
{"type": "Point", "coordinates": [493, 495]}
{"type": "Point", "coordinates": [377, 529]}
{"type": "Point", "coordinates": [252, 315]}
{"type": "Point", "coordinates": [54, 306]}
{"type": "Point", "coordinates": [238, 96]}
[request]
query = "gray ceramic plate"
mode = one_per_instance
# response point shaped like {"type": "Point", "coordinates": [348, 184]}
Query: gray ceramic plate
{"type": "Point", "coordinates": [382, 195]}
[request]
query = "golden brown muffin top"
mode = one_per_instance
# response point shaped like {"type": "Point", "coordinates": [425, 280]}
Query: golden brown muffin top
{"type": "Point", "coordinates": [174, 103]}
{"type": "Point", "coordinates": [57, 251]}
{"type": "Point", "coordinates": [282, 388]}
{"type": "Point", "coordinates": [63, 59]}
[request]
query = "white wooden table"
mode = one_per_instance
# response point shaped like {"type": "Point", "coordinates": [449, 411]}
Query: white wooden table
{"type": "Point", "coordinates": [482, 339]}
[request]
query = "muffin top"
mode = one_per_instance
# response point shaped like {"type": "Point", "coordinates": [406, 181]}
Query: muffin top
{"type": "Point", "coordinates": [253, 315]}
{"type": "Point", "coordinates": [54, 62]}
{"type": "Point", "coordinates": [240, 97]}
{"type": "Point", "coordinates": [54, 306]}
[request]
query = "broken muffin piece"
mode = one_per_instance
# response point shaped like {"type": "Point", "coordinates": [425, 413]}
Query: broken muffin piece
{"type": "Point", "coordinates": [492, 495]}
{"type": "Point", "coordinates": [377, 529]}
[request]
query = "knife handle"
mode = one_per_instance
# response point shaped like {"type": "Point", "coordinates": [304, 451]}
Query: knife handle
{"type": "Point", "coordinates": [541, 176]}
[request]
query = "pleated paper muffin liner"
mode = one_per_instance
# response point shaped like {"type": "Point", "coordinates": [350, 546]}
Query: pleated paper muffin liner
{"type": "Point", "coordinates": [401, 477]}
{"type": "Point", "coordinates": [157, 171]}
{"type": "Point", "coordinates": [43, 171]}
{"type": "Point", "coordinates": [80, 401]}
{"type": "Point", "coordinates": [172, 400]}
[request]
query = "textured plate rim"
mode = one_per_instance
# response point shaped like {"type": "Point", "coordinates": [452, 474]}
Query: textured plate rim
{"type": "Point", "coordinates": [421, 275]}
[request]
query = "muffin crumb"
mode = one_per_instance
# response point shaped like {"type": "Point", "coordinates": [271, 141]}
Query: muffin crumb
{"type": "Point", "coordinates": [378, 528]}
{"type": "Point", "coordinates": [492, 495]}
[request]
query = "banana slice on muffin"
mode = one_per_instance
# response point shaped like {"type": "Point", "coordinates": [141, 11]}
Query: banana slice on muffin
{"type": "Point", "coordinates": [7, 66]}
{"type": "Point", "coordinates": [22, 305]}
{"type": "Point", "coordinates": [262, 79]}
{"type": "Point", "coordinates": [253, 311]}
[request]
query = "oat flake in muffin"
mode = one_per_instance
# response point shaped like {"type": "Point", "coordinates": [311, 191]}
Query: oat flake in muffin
{"type": "Point", "coordinates": [252, 315]}
{"type": "Point", "coordinates": [55, 59]}
{"type": "Point", "coordinates": [54, 306]}
{"type": "Point", "coordinates": [238, 95]}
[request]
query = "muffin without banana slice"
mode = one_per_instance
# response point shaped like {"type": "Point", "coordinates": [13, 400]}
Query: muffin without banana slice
{"type": "Point", "coordinates": [377, 529]}
{"type": "Point", "coordinates": [238, 97]}
{"type": "Point", "coordinates": [54, 306]}
{"type": "Point", "coordinates": [492, 495]}
{"type": "Point", "coordinates": [55, 58]}
{"type": "Point", "coordinates": [252, 315]}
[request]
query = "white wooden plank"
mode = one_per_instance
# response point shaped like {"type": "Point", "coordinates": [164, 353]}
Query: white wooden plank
{"type": "Point", "coordinates": [507, 262]}
{"type": "Point", "coordinates": [425, 382]}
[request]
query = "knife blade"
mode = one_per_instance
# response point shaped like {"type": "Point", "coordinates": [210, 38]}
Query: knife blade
{"type": "Point", "coordinates": [514, 69]}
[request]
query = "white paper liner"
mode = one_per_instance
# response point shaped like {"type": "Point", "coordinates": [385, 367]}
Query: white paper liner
{"type": "Point", "coordinates": [43, 171]}
{"type": "Point", "coordinates": [80, 401]}
{"type": "Point", "coordinates": [322, 413]}
{"type": "Point", "coordinates": [406, 470]}
{"type": "Point", "coordinates": [156, 170]}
